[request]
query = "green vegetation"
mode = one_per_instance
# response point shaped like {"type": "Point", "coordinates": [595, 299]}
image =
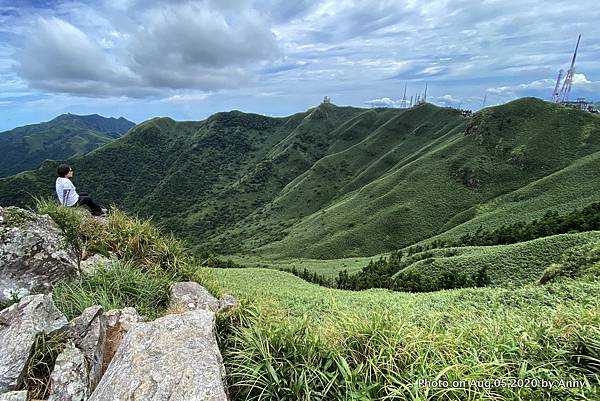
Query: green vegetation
{"type": "Point", "coordinates": [340, 182]}
{"type": "Point", "coordinates": [300, 341]}
{"type": "Point", "coordinates": [36, 379]}
{"type": "Point", "coordinates": [295, 340]}
{"type": "Point", "coordinates": [66, 136]}
{"type": "Point", "coordinates": [15, 217]}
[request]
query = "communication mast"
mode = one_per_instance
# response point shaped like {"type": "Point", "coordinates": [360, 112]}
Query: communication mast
{"type": "Point", "coordinates": [425, 95]}
{"type": "Point", "coordinates": [404, 97]}
{"type": "Point", "coordinates": [566, 88]}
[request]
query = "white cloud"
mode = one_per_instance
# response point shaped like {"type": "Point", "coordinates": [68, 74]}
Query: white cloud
{"type": "Point", "coordinates": [173, 46]}
{"type": "Point", "coordinates": [384, 102]}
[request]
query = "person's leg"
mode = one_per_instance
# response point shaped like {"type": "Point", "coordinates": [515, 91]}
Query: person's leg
{"type": "Point", "coordinates": [89, 202]}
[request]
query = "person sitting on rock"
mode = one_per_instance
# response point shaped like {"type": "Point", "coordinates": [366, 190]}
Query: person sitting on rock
{"type": "Point", "coordinates": [68, 196]}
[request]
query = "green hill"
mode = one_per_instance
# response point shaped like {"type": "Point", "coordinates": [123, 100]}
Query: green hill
{"type": "Point", "coordinates": [339, 181]}
{"type": "Point", "coordinates": [66, 136]}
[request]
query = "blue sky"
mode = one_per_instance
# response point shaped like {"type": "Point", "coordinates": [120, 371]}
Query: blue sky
{"type": "Point", "coordinates": [188, 59]}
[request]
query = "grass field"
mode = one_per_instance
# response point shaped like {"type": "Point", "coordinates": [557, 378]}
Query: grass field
{"type": "Point", "coordinates": [327, 267]}
{"type": "Point", "coordinates": [507, 265]}
{"type": "Point", "coordinates": [300, 333]}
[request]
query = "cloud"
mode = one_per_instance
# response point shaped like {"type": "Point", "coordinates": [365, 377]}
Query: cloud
{"type": "Point", "coordinates": [179, 45]}
{"type": "Point", "coordinates": [384, 102]}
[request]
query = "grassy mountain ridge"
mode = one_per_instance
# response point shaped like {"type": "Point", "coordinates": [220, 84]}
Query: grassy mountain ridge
{"type": "Point", "coordinates": [66, 136]}
{"type": "Point", "coordinates": [339, 181]}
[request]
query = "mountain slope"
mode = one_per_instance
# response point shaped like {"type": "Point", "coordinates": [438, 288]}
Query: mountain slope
{"type": "Point", "coordinates": [66, 136]}
{"type": "Point", "coordinates": [340, 181]}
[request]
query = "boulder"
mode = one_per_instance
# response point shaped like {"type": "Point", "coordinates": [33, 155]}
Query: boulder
{"type": "Point", "coordinates": [227, 303]}
{"type": "Point", "coordinates": [14, 396]}
{"type": "Point", "coordinates": [19, 326]}
{"type": "Point", "coordinates": [191, 295]}
{"type": "Point", "coordinates": [89, 334]}
{"type": "Point", "coordinates": [118, 324]}
{"type": "Point", "coordinates": [175, 357]}
{"type": "Point", "coordinates": [33, 253]}
{"type": "Point", "coordinates": [91, 265]}
{"type": "Point", "coordinates": [69, 380]}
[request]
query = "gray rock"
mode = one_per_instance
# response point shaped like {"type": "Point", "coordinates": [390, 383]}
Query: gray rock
{"type": "Point", "coordinates": [89, 334]}
{"type": "Point", "coordinates": [118, 324]}
{"type": "Point", "coordinates": [227, 303]}
{"type": "Point", "coordinates": [191, 296]}
{"type": "Point", "coordinates": [69, 380]}
{"type": "Point", "coordinates": [94, 262]}
{"type": "Point", "coordinates": [175, 357]}
{"type": "Point", "coordinates": [19, 325]}
{"type": "Point", "coordinates": [33, 253]}
{"type": "Point", "coordinates": [14, 396]}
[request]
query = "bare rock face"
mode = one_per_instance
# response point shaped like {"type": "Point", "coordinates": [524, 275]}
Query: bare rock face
{"type": "Point", "coordinates": [118, 324]}
{"type": "Point", "coordinates": [228, 303]}
{"type": "Point", "coordinates": [19, 326]}
{"type": "Point", "coordinates": [191, 295]}
{"type": "Point", "coordinates": [33, 253]}
{"type": "Point", "coordinates": [69, 380]}
{"type": "Point", "coordinates": [14, 396]}
{"type": "Point", "coordinates": [89, 334]}
{"type": "Point", "coordinates": [172, 358]}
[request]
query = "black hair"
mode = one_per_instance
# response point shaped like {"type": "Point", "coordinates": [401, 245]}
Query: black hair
{"type": "Point", "coordinates": [63, 170]}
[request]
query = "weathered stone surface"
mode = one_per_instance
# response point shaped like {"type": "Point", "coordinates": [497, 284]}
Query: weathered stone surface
{"type": "Point", "coordinates": [14, 396]}
{"type": "Point", "coordinates": [89, 334]}
{"type": "Point", "coordinates": [172, 358]}
{"type": "Point", "coordinates": [191, 296]}
{"type": "Point", "coordinates": [69, 380]}
{"type": "Point", "coordinates": [227, 303]}
{"type": "Point", "coordinates": [93, 263]}
{"type": "Point", "coordinates": [118, 324]}
{"type": "Point", "coordinates": [19, 325]}
{"type": "Point", "coordinates": [33, 253]}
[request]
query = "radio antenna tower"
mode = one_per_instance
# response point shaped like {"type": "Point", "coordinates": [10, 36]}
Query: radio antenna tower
{"type": "Point", "coordinates": [425, 95]}
{"type": "Point", "coordinates": [566, 88]}
{"type": "Point", "coordinates": [484, 100]}
{"type": "Point", "coordinates": [555, 94]}
{"type": "Point", "coordinates": [404, 97]}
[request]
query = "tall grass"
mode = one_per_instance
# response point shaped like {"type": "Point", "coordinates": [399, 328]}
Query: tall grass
{"type": "Point", "coordinates": [131, 239]}
{"type": "Point", "coordinates": [297, 341]}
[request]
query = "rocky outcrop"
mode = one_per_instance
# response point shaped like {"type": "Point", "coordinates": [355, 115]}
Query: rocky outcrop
{"type": "Point", "coordinates": [19, 326]}
{"type": "Point", "coordinates": [191, 295]}
{"type": "Point", "coordinates": [228, 303]}
{"type": "Point", "coordinates": [69, 380]}
{"type": "Point", "coordinates": [33, 253]}
{"type": "Point", "coordinates": [118, 324]}
{"type": "Point", "coordinates": [89, 334]}
{"type": "Point", "coordinates": [172, 358]}
{"type": "Point", "coordinates": [14, 396]}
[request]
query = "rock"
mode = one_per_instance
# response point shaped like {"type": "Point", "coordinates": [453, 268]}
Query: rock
{"type": "Point", "coordinates": [191, 295]}
{"type": "Point", "coordinates": [69, 380]}
{"type": "Point", "coordinates": [33, 253]}
{"type": "Point", "coordinates": [19, 326]}
{"type": "Point", "coordinates": [175, 357]}
{"type": "Point", "coordinates": [93, 263]}
{"type": "Point", "coordinates": [14, 396]}
{"type": "Point", "coordinates": [118, 324]}
{"type": "Point", "coordinates": [89, 334]}
{"type": "Point", "coordinates": [227, 303]}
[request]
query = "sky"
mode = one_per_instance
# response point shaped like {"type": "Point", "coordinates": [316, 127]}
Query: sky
{"type": "Point", "coordinates": [189, 59]}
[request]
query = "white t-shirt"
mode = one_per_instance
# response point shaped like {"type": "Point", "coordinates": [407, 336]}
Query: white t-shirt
{"type": "Point", "coordinates": [65, 190]}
